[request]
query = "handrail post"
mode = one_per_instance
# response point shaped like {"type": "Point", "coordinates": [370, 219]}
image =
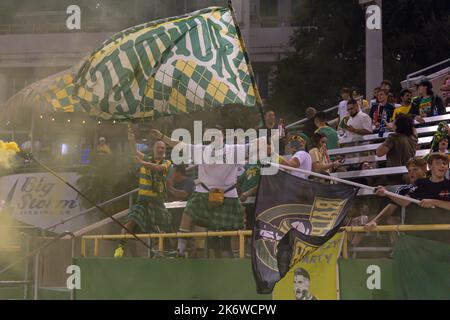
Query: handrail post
{"type": "Point", "coordinates": [205, 248]}
{"type": "Point", "coordinates": [27, 265]}
{"type": "Point", "coordinates": [241, 245]}
{"type": "Point", "coordinates": [96, 244]}
{"type": "Point", "coordinates": [149, 251]}
{"type": "Point", "coordinates": [345, 245]}
{"type": "Point", "coordinates": [72, 292]}
{"type": "Point", "coordinates": [83, 247]}
{"type": "Point", "coordinates": [161, 245]}
{"type": "Point", "coordinates": [36, 276]}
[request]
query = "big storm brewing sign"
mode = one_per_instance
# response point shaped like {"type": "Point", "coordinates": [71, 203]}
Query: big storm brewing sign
{"type": "Point", "coordinates": [39, 199]}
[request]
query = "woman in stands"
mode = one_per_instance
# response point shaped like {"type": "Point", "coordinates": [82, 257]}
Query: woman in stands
{"type": "Point", "coordinates": [320, 159]}
{"type": "Point", "coordinates": [297, 158]}
{"type": "Point", "coordinates": [401, 145]}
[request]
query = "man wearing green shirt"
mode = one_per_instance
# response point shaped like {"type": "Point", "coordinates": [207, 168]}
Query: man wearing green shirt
{"type": "Point", "coordinates": [427, 104]}
{"type": "Point", "coordinates": [330, 133]}
{"type": "Point", "coordinates": [149, 214]}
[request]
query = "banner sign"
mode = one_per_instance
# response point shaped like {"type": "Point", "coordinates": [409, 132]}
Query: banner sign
{"type": "Point", "coordinates": [40, 199]}
{"type": "Point", "coordinates": [314, 277]}
{"type": "Point", "coordinates": [294, 217]}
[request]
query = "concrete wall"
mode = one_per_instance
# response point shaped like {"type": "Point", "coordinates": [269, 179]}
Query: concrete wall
{"type": "Point", "coordinates": [66, 49]}
{"type": "Point", "coordinates": [47, 50]}
{"type": "Point", "coordinates": [167, 279]}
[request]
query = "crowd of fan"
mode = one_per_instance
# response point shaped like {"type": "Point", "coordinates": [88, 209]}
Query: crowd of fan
{"type": "Point", "coordinates": [357, 117]}
{"type": "Point", "coordinates": [216, 201]}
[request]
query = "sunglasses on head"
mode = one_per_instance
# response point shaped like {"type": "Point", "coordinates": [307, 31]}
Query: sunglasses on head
{"type": "Point", "coordinates": [296, 138]}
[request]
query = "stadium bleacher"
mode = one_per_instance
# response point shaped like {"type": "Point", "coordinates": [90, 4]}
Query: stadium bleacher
{"type": "Point", "coordinates": [371, 147]}
{"type": "Point", "coordinates": [372, 142]}
{"type": "Point", "coordinates": [425, 131]}
{"type": "Point", "coordinates": [376, 159]}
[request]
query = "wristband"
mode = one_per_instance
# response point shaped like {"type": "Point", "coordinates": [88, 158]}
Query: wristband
{"type": "Point", "coordinates": [278, 158]}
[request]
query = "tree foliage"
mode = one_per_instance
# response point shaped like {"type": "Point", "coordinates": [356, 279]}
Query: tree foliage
{"type": "Point", "coordinates": [332, 53]}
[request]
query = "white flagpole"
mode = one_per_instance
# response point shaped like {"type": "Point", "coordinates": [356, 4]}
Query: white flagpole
{"type": "Point", "coordinates": [351, 183]}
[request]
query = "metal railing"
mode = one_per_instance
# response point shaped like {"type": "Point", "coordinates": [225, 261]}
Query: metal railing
{"type": "Point", "coordinates": [35, 254]}
{"type": "Point", "coordinates": [33, 168]}
{"type": "Point", "coordinates": [241, 234]}
{"type": "Point", "coordinates": [247, 233]}
{"type": "Point", "coordinates": [408, 80]}
{"type": "Point", "coordinates": [421, 71]}
{"type": "Point", "coordinates": [82, 213]}
{"type": "Point", "coordinates": [302, 121]}
{"type": "Point", "coordinates": [25, 282]}
{"type": "Point", "coordinates": [389, 228]}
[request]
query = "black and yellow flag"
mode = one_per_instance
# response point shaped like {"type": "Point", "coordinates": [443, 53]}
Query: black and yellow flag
{"type": "Point", "coordinates": [293, 218]}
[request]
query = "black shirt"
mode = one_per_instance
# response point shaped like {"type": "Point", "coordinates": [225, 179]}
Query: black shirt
{"type": "Point", "coordinates": [403, 190]}
{"type": "Point", "coordinates": [376, 112]}
{"type": "Point", "coordinates": [426, 189]}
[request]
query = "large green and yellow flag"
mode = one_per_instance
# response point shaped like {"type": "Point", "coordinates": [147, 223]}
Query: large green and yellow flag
{"type": "Point", "coordinates": [59, 95]}
{"type": "Point", "coordinates": [173, 66]}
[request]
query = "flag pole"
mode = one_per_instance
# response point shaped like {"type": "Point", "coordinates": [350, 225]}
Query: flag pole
{"type": "Point", "coordinates": [351, 183]}
{"type": "Point", "coordinates": [247, 60]}
{"type": "Point", "coordinates": [31, 157]}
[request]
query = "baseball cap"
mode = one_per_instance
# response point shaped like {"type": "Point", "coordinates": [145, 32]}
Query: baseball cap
{"type": "Point", "coordinates": [425, 83]}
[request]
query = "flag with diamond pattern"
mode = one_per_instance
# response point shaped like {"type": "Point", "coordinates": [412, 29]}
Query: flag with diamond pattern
{"type": "Point", "coordinates": [59, 94]}
{"type": "Point", "coordinates": [173, 66]}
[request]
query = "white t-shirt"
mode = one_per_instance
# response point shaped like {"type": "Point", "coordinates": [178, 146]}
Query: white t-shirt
{"type": "Point", "coordinates": [220, 175]}
{"type": "Point", "coordinates": [342, 110]}
{"type": "Point", "coordinates": [305, 163]}
{"type": "Point", "coordinates": [359, 121]}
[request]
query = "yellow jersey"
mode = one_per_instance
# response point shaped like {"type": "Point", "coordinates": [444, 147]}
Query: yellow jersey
{"type": "Point", "coordinates": [401, 110]}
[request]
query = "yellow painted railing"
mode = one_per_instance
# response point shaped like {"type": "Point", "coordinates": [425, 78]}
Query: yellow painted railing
{"type": "Point", "coordinates": [161, 236]}
{"type": "Point", "coordinates": [390, 228]}
{"type": "Point", "coordinates": [246, 233]}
